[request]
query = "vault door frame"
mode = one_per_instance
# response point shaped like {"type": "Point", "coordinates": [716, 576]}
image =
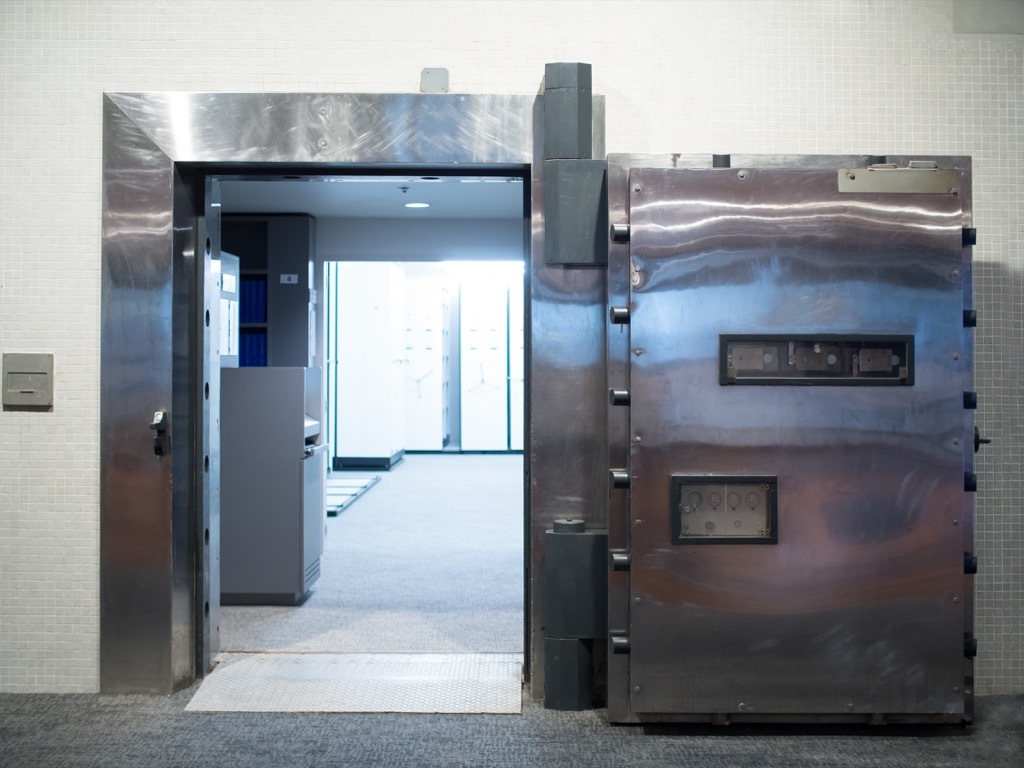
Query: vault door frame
{"type": "Point", "coordinates": [158, 149]}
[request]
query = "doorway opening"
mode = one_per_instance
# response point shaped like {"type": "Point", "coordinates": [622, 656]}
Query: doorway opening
{"type": "Point", "coordinates": [430, 559]}
{"type": "Point", "coordinates": [161, 154]}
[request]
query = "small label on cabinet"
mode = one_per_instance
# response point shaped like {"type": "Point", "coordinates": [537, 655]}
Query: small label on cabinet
{"type": "Point", "coordinates": [289, 279]}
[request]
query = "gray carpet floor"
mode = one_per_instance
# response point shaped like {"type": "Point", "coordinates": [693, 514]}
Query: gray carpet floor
{"type": "Point", "coordinates": [429, 560]}
{"type": "Point", "coordinates": [85, 731]}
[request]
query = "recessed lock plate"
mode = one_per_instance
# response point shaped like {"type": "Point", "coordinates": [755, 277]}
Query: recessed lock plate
{"type": "Point", "coordinates": [816, 359]}
{"type": "Point", "coordinates": [723, 510]}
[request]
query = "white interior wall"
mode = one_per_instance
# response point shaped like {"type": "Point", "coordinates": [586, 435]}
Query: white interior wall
{"type": "Point", "coordinates": [777, 76]}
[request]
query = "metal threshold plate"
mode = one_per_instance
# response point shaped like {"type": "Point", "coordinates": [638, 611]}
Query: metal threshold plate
{"type": "Point", "coordinates": [342, 490]}
{"type": "Point", "coordinates": [463, 683]}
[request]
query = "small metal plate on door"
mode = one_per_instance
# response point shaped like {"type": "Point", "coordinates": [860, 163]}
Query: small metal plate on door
{"type": "Point", "coordinates": [892, 180]}
{"type": "Point", "coordinates": [709, 509]}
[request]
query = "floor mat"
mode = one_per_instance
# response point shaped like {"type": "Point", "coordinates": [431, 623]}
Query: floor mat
{"type": "Point", "coordinates": [343, 489]}
{"type": "Point", "coordinates": [461, 683]}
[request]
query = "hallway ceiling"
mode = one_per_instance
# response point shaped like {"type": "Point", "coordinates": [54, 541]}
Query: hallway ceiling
{"type": "Point", "coordinates": [449, 197]}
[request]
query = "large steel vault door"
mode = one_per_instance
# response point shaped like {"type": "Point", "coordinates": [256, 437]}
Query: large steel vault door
{"type": "Point", "coordinates": [799, 445]}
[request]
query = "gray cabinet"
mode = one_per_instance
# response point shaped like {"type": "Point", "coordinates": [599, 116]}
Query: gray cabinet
{"type": "Point", "coordinates": [272, 484]}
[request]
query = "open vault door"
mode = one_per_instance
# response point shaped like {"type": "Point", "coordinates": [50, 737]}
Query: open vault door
{"type": "Point", "coordinates": [798, 511]}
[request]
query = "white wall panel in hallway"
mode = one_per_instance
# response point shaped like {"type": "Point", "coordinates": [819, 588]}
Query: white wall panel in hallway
{"type": "Point", "coordinates": [427, 349]}
{"type": "Point", "coordinates": [491, 353]}
{"type": "Point", "coordinates": [484, 353]}
{"type": "Point", "coordinates": [371, 363]}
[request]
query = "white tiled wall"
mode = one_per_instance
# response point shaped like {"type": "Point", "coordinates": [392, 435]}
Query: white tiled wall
{"type": "Point", "coordinates": [843, 76]}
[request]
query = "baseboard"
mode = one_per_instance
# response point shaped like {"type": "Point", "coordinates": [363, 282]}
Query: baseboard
{"type": "Point", "coordinates": [366, 462]}
{"type": "Point", "coordinates": [264, 598]}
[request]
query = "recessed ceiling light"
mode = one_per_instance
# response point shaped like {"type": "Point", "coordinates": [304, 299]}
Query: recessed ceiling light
{"type": "Point", "coordinates": [417, 205]}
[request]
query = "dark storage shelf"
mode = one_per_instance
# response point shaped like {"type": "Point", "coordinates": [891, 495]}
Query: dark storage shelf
{"type": "Point", "coordinates": [252, 343]}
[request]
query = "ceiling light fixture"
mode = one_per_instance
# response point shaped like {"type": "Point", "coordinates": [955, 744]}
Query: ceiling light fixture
{"type": "Point", "coordinates": [417, 205]}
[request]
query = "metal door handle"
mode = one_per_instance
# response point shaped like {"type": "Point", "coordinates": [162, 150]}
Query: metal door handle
{"type": "Point", "coordinates": [159, 427]}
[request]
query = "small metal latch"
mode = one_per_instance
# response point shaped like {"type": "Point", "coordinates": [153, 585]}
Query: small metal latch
{"type": "Point", "coordinates": [979, 440]}
{"type": "Point", "coordinates": [970, 646]}
{"type": "Point", "coordinates": [619, 315]}
{"type": "Point", "coordinates": [619, 233]}
{"type": "Point", "coordinates": [621, 560]}
{"type": "Point", "coordinates": [620, 644]}
{"type": "Point", "coordinates": [618, 396]}
{"type": "Point", "coordinates": [159, 426]}
{"type": "Point", "coordinates": [619, 478]}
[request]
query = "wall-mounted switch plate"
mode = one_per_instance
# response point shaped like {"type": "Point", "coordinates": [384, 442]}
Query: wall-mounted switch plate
{"type": "Point", "coordinates": [27, 380]}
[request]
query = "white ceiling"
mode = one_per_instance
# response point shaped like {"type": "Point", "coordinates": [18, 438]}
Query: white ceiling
{"type": "Point", "coordinates": [450, 197]}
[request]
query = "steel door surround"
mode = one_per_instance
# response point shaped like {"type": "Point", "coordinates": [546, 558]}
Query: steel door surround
{"type": "Point", "coordinates": [859, 608]}
{"type": "Point", "coordinates": [157, 145]}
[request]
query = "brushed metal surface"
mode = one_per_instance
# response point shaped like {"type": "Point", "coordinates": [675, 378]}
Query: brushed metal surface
{"type": "Point", "coordinates": [317, 128]}
{"type": "Point", "coordinates": [859, 608]}
{"type": "Point", "coordinates": [159, 145]}
{"type": "Point", "coordinates": [567, 448]}
{"type": "Point", "coordinates": [189, 451]}
{"type": "Point", "coordinates": [617, 429]}
{"type": "Point", "coordinates": [207, 640]}
{"type": "Point", "coordinates": [137, 589]}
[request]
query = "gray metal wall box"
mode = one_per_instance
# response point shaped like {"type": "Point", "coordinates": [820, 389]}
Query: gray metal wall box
{"type": "Point", "coordinates": [568, 112]}
{"type": "Point", "coordinates": [576, 212]}
{"type": "Point", "coordinates": [27, 380]}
